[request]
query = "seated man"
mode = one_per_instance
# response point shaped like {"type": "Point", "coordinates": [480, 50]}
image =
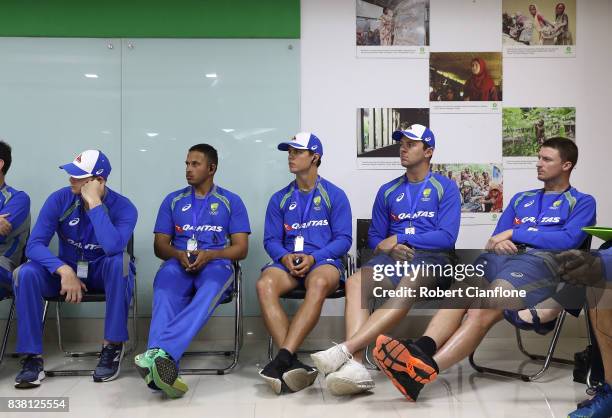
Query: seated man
{"type": "Point", "coordinates": [14, 224]}
{"type": "Point", "coordinates": [94, 225]}
{"type": "Point", "coordinates": [415, 220]}
{"type": "Point", "coordinates": [307, 232]}
{"type": "Point", "coordinates": [583, 268]}
{"type": "Point", "coordinates": [199, 230]}
{"type": "Point", "coordinates": [538, 220]}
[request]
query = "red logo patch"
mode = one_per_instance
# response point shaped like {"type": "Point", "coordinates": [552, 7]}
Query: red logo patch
{"type": "Point", "coordinates": [517, 221]}
{"type": "Point", "coordinates": [288, 227]}
{"type": "Point", "coordinates": [394, 217]}
{"type": "Point", "coordinates": [78, 159]}
{"type": "Point", "coordinates": [178, 228]}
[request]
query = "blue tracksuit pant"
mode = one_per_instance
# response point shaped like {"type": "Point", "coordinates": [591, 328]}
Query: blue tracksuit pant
{"type": "Point", "coordinates": [112, 275]}
{"type": "Point", "coordinates": [183, 302]}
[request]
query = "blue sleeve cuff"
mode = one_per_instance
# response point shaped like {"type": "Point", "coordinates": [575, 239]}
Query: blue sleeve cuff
{"type": "Point", "coordinates": [404, 239]}
{"type": "Point", "coordinates": [606, 266]}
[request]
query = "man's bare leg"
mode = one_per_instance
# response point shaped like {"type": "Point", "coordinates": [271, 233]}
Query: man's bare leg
{"type": "Point", "coordinates": [601, 320]}
{"type": "Point", "coordinates": [319, 283]}
{"type": "Point", "coordinates": [355, 315]}
{"type": "Point", "coordinates": [468, 336]}
{"type": "Point", "coordinates": [385, 317]}
{"type": "Point", "coordinates": [444, 324]}
{"type": "Point", "coordinates": [273, 283]}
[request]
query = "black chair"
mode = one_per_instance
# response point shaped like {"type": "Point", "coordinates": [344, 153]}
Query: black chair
{"type": "Point", "coordinates": [236, 296]}
{"type": "Point", "coordinates": [548, 358]}
{"type": "Point", "coordinates": [92, 297]}
{"type": "Point", "coordinates": [299, 293]}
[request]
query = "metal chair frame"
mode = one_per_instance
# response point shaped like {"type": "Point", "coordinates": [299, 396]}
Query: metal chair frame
{"type": "Point", "coordinates": [97, 297]}
{"type": "Point", "coordinates": [236, 297]}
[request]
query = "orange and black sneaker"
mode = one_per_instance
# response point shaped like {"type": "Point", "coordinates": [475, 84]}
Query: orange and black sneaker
{"type": "Point", "coordinates": [408, 367]}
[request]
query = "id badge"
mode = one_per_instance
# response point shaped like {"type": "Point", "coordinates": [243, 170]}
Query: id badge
{"type": "Point", "coordinates": [411, 230]}
{"type": "Point", "coordinates": [192, 244]}
{"type": "Point", "coordinates": [299, 244]}
{"type": "Point", "coordinates": [82, 269]}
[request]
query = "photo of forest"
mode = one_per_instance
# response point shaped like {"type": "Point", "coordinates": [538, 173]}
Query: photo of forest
{"type": "Point", "coordinates": [526, 128]}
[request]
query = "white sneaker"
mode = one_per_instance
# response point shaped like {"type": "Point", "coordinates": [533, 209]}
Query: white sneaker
{"type": "Point", "coordinates": [352, 378]}
{"type": "Point", "coordinates": [331, 359]}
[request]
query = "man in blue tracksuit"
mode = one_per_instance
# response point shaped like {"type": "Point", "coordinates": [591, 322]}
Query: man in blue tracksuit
{"type": "Point", "coordinates": [93, 224]}
{"type": "Point", "coordinates": [307, 232]}
{"type": "Point", "coordinates": [14, 224]}
{"type": "Point", "coordinates": [534, 224]}
{"type": "Point", "coordinates": [415, 221]}
{"type": "Point", "coordinates": [199, 230]}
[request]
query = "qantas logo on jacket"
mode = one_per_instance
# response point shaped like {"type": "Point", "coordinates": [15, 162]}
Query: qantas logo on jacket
{"type": "Point", "coordinates": [200, 228]}
{"type": "Point", "coordinates": [305, 225]}
{"type": "Point", "coordinates": [532, 220]}
{"type": "Point", "coordinates": [419, 214]}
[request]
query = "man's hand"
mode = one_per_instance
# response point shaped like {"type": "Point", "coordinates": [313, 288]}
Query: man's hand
{"type": "Point", "coordinates": [92, 191]}
{"type": "Point", "coordinates": [302, 269]}
{"type": "Point", "coordinates": [287, 261]}
{"type": "Point", "coordinates": [5, 226]}
{"type": "Point", "coordinates": [181, 256]}
{"type": "Point", "coordinates": [401, 252]}
{"type": "Point", "coordinates": [580, 267]}
{"type": "Point", "coordinates": [386, 245]}
{"type": "Point", "coordinates": [496, 239]}
{"type": "Point", "coordinates": [505, 247]}
{"type": "Point", "coordinates": [72, 286]}
{"type": "Point", "coordinates": [202, 258]}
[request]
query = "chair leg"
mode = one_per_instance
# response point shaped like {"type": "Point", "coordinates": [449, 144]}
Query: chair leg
{"type": "Point", "coordinates": [548, 359]}
{"type": "Point", "coordinates": [270, 348]}
{"type": "Point", "coordinates": [238, 337]}
{"type": "Point", "coordinates": [7, 330]}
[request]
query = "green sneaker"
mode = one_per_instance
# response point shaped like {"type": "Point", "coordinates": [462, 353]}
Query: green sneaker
{"type": "Point", "coordinates": [165, 375]}
{"type": "Point", "coordinates": [144, 366]}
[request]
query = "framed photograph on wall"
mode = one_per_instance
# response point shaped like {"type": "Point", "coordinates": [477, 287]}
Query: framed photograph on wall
{"type": "Point", "coordinates": [526, 128]}
{"type": "Point", "coordinates": [543, 30]}
{"type": "Point", "coordinates": [465, 82]}
{"type": "Point", "coordinates": [392, 28]}
{"type": "Point", "coordinates": [481, 187]}
{"type": "Point", "coordinates": [376, 149]}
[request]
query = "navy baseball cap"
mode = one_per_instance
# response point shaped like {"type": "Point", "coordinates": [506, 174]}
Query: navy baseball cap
{"type": "Point", "coordinates": [87, 164]}
{"type": "Point", "coordinates": [417, 132]}
{"type": "Point", "coordinates": [303, 140]}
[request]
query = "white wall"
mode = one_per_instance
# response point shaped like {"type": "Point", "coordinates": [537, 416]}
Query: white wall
{"type": "Point", "coordinates": [335, 83]}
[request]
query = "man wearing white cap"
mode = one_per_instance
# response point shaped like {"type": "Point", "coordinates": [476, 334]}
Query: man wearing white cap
{"type": "Point", "coordinates": [93, 224]}
{"type": "Point", "coordinates": [307, 232]}
{"type": "Point", "coordinates": [415, 221]}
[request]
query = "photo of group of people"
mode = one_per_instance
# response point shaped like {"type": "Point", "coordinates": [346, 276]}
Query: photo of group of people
{"type": "Point", "coordinates": [545, 29]}
{"type": "Point", "coordinates": [550, 24]}
{"type": "Point", "coordinates": [526, 128]}
{"type": "Point", "coordinates": [465, 76]}
{"type": "Point", "coordinates": [480, 186]}
{"type": "Point", "coordinates": [376, 149]}
{"type": "Point", "coordinates": [385, 24]}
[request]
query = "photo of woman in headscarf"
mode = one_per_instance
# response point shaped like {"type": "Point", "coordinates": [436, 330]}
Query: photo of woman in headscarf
{"type": "Point", "coordinates": [480, 86]}
{"type": "Point", "coordinates": [386, 27]}
{"type": "Point", "coordinates": [541, 28]}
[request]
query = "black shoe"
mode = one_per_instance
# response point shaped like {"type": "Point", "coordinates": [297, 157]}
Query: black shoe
{"type": "Point", "coordinates": [31, 374]}
{"type": "Point", "coordinates": [109, 365]}
{"type": "Point", "coordinates": [273, 374]}
{"type": "Point", "coordinates": [299, 375]}
{"type": "Point", "coordinates": [405, 364]}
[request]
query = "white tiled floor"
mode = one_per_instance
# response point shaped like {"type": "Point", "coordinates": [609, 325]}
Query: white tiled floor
{"type": "Point", "coordinates": [459, 392]}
